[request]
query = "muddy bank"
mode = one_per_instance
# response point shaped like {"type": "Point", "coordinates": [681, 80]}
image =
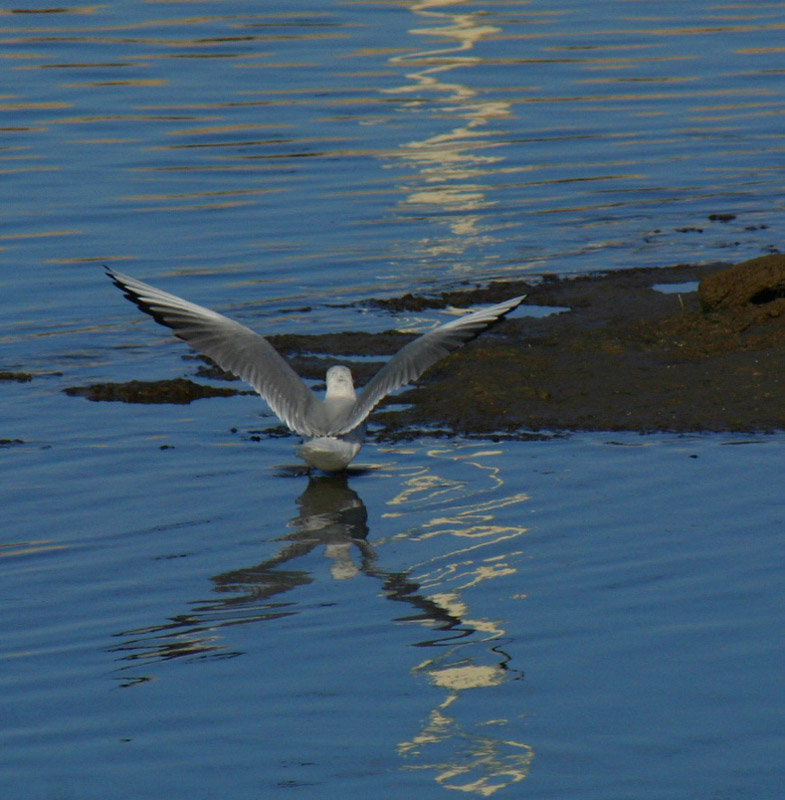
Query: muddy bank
{"type": "Point", "coordinates": [625, 356]}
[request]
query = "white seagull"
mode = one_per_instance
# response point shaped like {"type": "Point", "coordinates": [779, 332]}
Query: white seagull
{"type": "Point", "coordinates": [333, 429]}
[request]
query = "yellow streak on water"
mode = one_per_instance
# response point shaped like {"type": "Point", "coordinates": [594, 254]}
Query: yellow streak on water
{"type": "Point", "coordinates": [25, 548]}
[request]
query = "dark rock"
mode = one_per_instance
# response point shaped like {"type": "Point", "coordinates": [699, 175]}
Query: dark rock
{"type": "Point", "coordinates": [755, 282]}
{"type": "Point", "coordinates": [179, 391]}
{"type": "Point", "coordinates": [19, 377]}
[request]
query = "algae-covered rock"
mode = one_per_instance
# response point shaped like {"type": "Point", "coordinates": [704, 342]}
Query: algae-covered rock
{"type": "Point", "coordinates": [179, 391]}
{"type": "Point", "coordinates": [754, 282]}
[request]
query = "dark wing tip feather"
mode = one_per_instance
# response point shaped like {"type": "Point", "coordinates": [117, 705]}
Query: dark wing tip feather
{"type": "Point", "coordinates": [128, 293]}
{"type": "Point", "coordinates": [483, 326]}
{"type": "Point", "coordinates": [140, 303]}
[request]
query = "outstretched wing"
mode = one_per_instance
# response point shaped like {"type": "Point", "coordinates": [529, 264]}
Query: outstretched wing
{"type": "Point", "coordinates": [412, 360]}
{"type": "Point", "coordinates": [234, 348]}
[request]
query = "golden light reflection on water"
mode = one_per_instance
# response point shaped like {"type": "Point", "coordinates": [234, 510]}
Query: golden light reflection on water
{"type": "Point", "coordinates": [453, 168]}
{"type": "Point", "coordinates": [16, 549]}
{"type": "Point", "coordinates": [482, 756]}
{"type": "Point", "coordinates": [461, 133]}
{"type": "Point", "coordinates": [483, 764]}
{"type": "Point", "coordinates": [38, 235]}
{"type": "Point", "coordinates": [449, 165]}
{"type": "Point", "coordinates": [480, 760]}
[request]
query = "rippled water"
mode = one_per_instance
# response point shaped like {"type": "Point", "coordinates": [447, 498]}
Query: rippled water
{"type": "Point", "coordinates": [585, 617]}
{"type": "Point", "coordinates": [345, 150]}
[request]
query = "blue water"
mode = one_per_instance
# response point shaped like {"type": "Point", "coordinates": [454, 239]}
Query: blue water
{"type": "Point", "coordinates": [584, 617]}
{"type": "Point", "coordinates": [597, 616]}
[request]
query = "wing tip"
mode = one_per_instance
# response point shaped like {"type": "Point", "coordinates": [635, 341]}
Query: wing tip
{"type": "Point", "coordinates": [118, 279]}
{"type": "Point", "coordinates": [514, 302]}
{"type": "Point", "coordinates": [125, 283]}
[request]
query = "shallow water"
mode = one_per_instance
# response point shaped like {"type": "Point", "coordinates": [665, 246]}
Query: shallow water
{"type": "Point", "coordinates": [591, 616]}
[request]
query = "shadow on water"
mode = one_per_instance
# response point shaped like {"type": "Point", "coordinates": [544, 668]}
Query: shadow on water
{"type": "Point", "coordinates": [332, 517]}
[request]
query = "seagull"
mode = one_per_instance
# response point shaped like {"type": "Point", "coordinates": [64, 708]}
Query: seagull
{"type": "Point", "coordinates": [333, 429]}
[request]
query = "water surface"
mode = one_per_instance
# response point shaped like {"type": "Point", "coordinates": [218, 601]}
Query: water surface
{"type": "Point", "coordinates": [594, 616]}
{"type": "Point", "coordinates": [461, 616]}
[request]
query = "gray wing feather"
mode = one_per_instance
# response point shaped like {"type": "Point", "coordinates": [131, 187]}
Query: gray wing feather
{"type": "Point", "coordinates": [412, 360]}
{"type": "Point", "coordinates": [234, 348]}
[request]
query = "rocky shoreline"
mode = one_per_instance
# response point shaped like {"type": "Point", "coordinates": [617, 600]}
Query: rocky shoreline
{"type": "Point", "coordinates": [625, 356]}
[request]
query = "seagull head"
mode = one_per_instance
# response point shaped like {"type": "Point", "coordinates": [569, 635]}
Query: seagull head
{"type": "Point", "coordinates": [339, 382]}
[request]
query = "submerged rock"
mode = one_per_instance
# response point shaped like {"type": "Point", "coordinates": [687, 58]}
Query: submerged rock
{"type": "Point", "coordinates": [19, 377]}
{"type": "Point", "coordinates": [179, 391]}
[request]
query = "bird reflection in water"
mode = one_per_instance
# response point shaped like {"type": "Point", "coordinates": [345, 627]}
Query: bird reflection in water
{"type": "Point", "coordinates": [331, 515]}
{"type": "Point", "coordinates": [464, 654]}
